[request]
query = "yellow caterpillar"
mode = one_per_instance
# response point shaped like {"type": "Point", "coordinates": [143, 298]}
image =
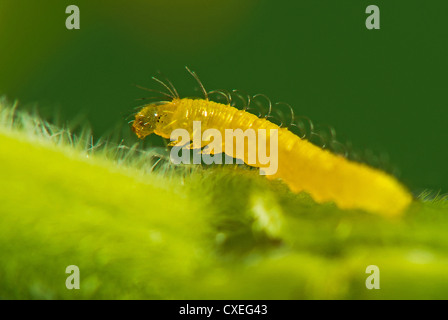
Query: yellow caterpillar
{"type": "Point", "coordinates": [301, 165]}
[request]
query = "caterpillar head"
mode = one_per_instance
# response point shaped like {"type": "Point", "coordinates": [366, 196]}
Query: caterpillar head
{"type": "Point", "coordinates": [145, 121]}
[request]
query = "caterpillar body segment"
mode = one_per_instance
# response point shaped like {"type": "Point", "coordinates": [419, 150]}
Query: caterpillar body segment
{"type": "Point", "coordinates": [301, 165]}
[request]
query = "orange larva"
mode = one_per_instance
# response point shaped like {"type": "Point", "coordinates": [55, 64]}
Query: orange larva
{"type": "Point", "coordinates": [301, 165]}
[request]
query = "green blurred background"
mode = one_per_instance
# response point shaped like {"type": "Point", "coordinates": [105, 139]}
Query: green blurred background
{"type": "Point", "coordinates": [381, 89]}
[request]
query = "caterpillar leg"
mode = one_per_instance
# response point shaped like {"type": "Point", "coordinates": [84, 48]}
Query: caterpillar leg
{"type": "Point", "coordinates": [207, 150]}
{"type": "Point", "coordinates": [177, 144]}
{"type": "Point", "coordinates": [212, 150]}
{"type": "Point", "coordinates": [173, 143]}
